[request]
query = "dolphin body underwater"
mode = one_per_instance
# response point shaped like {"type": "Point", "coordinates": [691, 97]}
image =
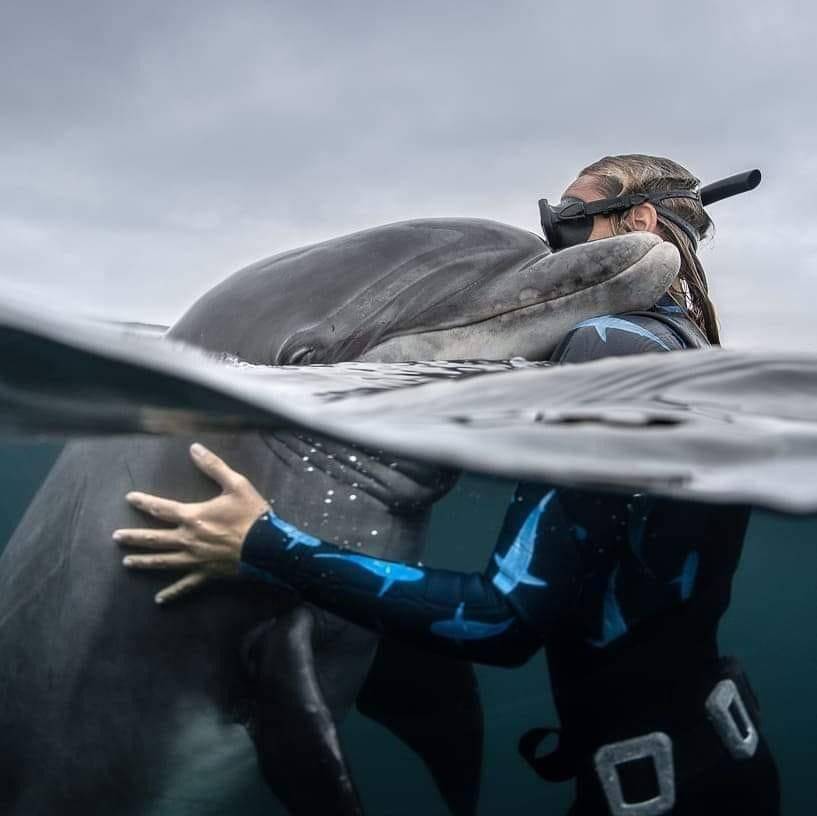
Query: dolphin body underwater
{"type": "Point", "coordinates": [98, 687]}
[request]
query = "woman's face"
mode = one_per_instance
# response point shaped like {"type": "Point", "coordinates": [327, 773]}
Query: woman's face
{"type": "Point", "coordinates": [642, 218]}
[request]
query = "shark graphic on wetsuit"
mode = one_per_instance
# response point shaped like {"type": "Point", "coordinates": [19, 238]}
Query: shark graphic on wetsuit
{"type": "Point", "coordinates": [624, 592]}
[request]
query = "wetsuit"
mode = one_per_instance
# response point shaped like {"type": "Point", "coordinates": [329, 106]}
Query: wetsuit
{"type": "Point", "coordinates": [624, 592]}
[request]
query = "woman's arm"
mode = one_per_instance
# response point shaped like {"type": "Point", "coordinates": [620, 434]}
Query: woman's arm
{"type": "Point", "coordinates": [459, 614]}
{"type": "Point", "coordinates": [468, 616]}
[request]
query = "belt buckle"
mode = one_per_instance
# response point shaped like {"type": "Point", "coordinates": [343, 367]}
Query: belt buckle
{"type": "Point", "coordinates": [720, 712]}
{"type": "Point", "coordinates": [656, 746]}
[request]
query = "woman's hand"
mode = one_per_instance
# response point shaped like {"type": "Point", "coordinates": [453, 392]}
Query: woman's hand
{"type": "Point", "coordinates": [208, 535]}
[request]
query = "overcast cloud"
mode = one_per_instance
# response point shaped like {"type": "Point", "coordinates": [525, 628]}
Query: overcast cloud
{"type": "Point", "coordinates": [148, 150]}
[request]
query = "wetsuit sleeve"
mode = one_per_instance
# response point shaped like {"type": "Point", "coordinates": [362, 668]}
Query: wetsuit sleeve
{"type": "Point", "coordinates": [465, 615]}
{"type": "Point", "coordinates": [616, 336]}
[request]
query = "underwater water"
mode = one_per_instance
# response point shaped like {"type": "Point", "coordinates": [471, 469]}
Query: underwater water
{"type": "Point", "coordinates": [770, 626]}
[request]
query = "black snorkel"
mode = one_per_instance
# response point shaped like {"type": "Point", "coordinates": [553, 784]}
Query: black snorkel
{"type": "Point", "coordinates": [571, 222]}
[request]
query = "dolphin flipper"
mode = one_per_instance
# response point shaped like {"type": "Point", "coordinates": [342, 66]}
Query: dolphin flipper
{"type": "Point", "coordinates": [293, 729]}
{"type": "Point", "coordinates": [432, 703]}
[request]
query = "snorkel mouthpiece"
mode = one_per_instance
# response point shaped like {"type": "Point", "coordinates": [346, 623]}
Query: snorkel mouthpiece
{"type": "Point", "coordinates": [571, 222]}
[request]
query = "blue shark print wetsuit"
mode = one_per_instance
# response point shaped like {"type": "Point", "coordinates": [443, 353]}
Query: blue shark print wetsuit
{"type": "Point", "coordinates": [623, 591]}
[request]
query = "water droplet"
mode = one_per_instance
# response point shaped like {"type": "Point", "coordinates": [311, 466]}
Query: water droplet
{"type": "Point", "coordinates": [305, 458]}
{"type": "Point", "coordinates": [310, 469]}
{"type": "Point", "coordinates": [327, 501]}
{"type": "Point", "coordinates": [353, 458]}
{"type": "Point", "coordinates": [374, 532]}
{"type": "Point", "coordinates": [330, 492]}
{"type": "Point", "coordinates": [313, 450]}
{"type": "Point", "coordinates": [352, 497]}
{"type": "Point", "coordinates": [354, 484]}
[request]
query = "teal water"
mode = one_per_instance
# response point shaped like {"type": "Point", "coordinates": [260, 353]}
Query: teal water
{"type": "Point", "coordinates": [771, 626]}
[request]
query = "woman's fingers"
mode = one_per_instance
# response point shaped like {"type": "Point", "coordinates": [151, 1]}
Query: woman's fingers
{"type": "Point", "coordinates": [174, 560]}
{"type": "Point", "coordinates": [183, 587]}
{"type": "Point", "coordinates": [151, 539]}
{"type": "Point", "coordinates": [214, 467]}
{"type": "Point", "coordinates": [157, 507]}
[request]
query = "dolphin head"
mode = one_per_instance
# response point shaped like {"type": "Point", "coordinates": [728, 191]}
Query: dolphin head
{"type": "Point", "coordinates": [422, 290]}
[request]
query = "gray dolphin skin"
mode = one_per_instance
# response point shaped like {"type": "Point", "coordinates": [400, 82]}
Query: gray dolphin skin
{"type": "Point", "coordinates": [98, 687]}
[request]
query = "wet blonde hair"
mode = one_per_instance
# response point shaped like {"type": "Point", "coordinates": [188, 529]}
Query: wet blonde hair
{"type": "Point", "coordinates": [638, 173]}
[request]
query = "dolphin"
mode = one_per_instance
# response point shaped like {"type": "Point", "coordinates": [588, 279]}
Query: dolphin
{"type": "Point", "coordinates": [99, 688]}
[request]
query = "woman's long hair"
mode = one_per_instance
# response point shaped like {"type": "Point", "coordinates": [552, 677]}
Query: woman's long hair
{"type": "Point", "coordinates": [637, 173]}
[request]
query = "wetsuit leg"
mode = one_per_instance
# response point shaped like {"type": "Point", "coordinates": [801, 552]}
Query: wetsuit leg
{"type": "Point", "coordinates": [432, 703]}
{"type": "Point", "coordinates": [746, 788]}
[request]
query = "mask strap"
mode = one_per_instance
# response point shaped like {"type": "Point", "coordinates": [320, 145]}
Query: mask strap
{"type": "Point", "coordinates": [620, 204]}
{"type": "Point", "coordinates": [679, 222]}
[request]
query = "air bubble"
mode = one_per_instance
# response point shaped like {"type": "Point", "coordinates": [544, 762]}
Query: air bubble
{"type": "Point", "coordinates": [327, 501]}
{"type": "Point", "coordinates": [352, 497]}
{"type": "Point", "coordinates": [330, 492]}
{"type": "Point", "coordinates": [374, 532]}
{"type": "Point", "coordinates": [353, 458]}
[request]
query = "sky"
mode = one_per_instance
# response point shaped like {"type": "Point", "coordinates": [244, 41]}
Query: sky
{"type": "Point", "coordinates": [148, 150]}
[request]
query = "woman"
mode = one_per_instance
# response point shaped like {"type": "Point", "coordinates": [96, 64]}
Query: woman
{"type": "Point", "coordinates": [624, 592]}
